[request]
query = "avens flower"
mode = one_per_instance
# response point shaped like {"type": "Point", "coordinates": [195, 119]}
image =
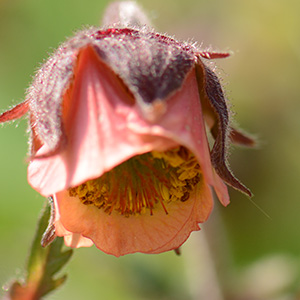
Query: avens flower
{"type": "Point", "coordinates": [119, 119]}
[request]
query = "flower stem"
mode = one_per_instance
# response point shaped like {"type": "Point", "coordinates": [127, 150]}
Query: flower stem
{"type": "Point", "coordinates": [42, 265]}
{"type": "Point", "coordinates": [206, 260]}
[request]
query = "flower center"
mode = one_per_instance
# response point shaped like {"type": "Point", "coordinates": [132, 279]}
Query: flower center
{"type": "Point", "coordinates": [143, 182]}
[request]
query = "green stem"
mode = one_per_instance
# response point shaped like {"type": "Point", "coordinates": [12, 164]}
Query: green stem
{"type": "Point", "coordinates": [206, 261]}
{"type": "Point", "coordinates": [42, 265]}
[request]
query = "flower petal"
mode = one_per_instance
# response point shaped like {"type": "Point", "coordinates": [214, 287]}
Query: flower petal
{"type": "Point", "coordinates": [119, 235]}
{"type": "Point", "coordinates": [98, 137]}
{"type": "Point", "coordinates": [74, 240]}
{"type": "Point", "coordinates": [104, 128]}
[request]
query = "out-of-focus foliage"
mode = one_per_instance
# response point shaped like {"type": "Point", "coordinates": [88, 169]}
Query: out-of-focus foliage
{"type": "Point", "coordinates": [262, 83]}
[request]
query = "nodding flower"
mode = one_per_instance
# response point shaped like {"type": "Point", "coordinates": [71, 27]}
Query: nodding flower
{"type": "Point", "coordinates": [119, 117]}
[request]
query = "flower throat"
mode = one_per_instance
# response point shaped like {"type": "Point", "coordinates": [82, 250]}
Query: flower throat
{"type": "Point", "coordinates": [142, 183]}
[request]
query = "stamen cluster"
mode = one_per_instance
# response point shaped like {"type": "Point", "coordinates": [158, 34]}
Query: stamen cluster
{"type": "Point", "coordinates": [139, 184]}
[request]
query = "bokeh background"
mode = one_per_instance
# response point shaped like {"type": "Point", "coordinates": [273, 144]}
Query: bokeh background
{"type": "Point", "coordinates": [241, 253]}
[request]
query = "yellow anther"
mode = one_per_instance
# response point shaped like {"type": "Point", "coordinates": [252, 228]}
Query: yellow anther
{"type": "Point", "coordinates": [187, 174]}
{"type": "Point", "coordinates": [164, 192]}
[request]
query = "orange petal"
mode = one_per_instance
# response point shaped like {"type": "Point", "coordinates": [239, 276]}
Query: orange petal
{"type": "Point", "coordinates": [74, 240]}
{"type": "Point", "coordinates": [119, 235]}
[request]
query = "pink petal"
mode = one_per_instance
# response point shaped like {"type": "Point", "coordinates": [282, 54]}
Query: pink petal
{"type": "Point", "coordinates": [105, 128]}
{"type": "Point", "coordinates": [221, 190]}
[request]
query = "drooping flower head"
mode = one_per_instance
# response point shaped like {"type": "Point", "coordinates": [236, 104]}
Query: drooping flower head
{"type": "Point", "coordinates": [119, 118]}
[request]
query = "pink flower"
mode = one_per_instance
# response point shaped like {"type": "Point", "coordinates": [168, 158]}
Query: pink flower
{"type": "Point", "coordinates": [118, 123]}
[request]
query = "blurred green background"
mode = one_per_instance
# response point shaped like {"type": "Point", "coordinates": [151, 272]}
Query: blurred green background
{"type": "Point", "coordinates": [256, 257]}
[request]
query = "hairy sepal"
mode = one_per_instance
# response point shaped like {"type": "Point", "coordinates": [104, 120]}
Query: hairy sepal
{"type": "Point", "coordinates": [152, 66]}
{"type": "Point", "coordinates": [215, 108]}
{"type": "Point", "coordinates": [14, 113]}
